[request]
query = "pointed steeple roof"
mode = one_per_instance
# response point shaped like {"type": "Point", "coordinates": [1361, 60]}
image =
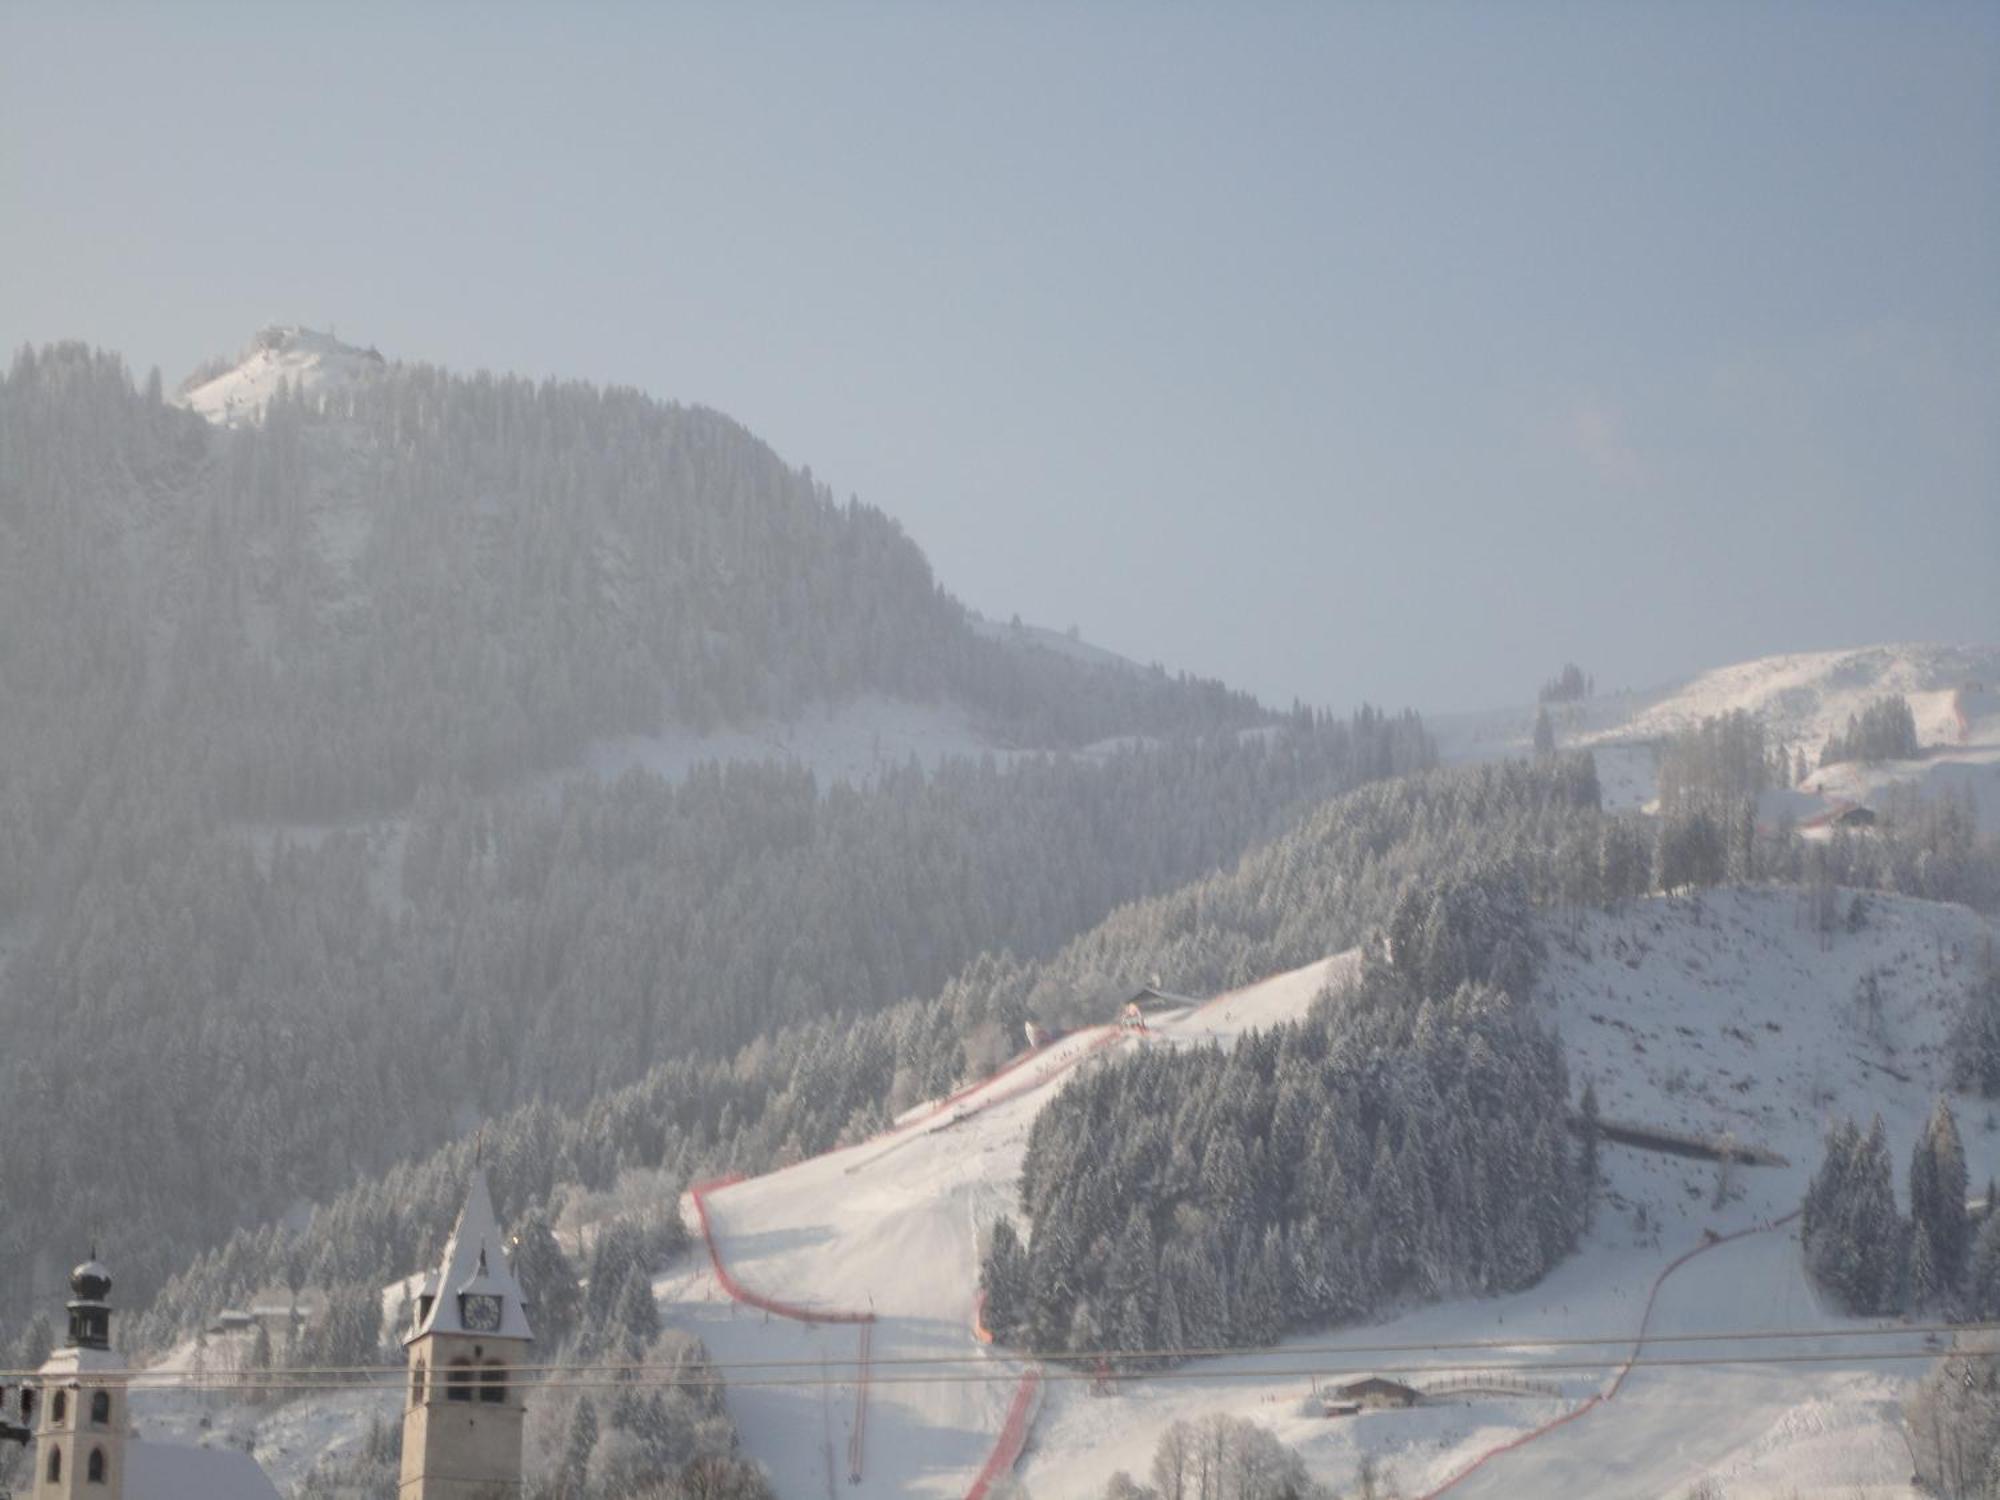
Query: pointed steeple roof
{"type": "Point", "coordinates": [474, 1264]}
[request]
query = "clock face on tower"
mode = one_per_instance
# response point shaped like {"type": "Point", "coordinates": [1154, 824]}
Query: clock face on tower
{"type": "Point", "coordinates": [480, 1314]}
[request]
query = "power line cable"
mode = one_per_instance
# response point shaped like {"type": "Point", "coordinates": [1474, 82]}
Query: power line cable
{"type": "Point", "coordinates": [390, 1377]}
{"type": "Point", "coordinates": [138, 1377]}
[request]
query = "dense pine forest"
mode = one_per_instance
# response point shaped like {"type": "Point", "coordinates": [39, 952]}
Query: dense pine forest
{"type": "Point", "coordinates": [290, 874]}
{"type": "Point", "coordinates": [1410, 1139]}
{"type": "Point", "coordinates": [1424, 861]}
{"type": "Point", "coordinates": [1395, 1146]}
{"type": "Point", "coordinates": [1344, 871]}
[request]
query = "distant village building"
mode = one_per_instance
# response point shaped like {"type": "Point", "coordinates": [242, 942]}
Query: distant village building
{"type": "Point", "coordinates": [1854, 817]}
{"type": "Point", "coordinates": [84, 1448]}
{"type": "Point", "coordinates": [1151, 1001]}
{"type": "Point", "coordinates": [279, 1311]}
{"type": "Point", "coordinates": [1372, 1392]}
{"type": "Point", "coordinates": [462, 1418]}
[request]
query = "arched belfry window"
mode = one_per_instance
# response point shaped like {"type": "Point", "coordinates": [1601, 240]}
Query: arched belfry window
{"type": "Point", "coordinates": [493, 1382]}
{"type": "Point", "coordinates": [95, 1471]}
{"type": "Point", "coordinates": [458, 1381]}
{"type": "Point", "coordinates": [55, 1465]}
{"type": "Point", "coordinates": [417, 1383]}
{"type": "Point", "coordinates": [59, 1408]}
{"type": "Point", "coordinates": [100, 1408]}
{"type": "Point", "coordinates": [27, 1406]}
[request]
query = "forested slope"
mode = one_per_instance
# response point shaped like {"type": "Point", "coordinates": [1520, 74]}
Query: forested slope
{"type": "Point", "coordinates": [1322, 885]}
{"type": "Point", "coordinates": [290, 886]}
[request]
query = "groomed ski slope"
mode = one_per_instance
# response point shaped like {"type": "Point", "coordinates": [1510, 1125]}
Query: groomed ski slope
{"type": "Point", "coordinates": [892, 1226]}
{"type": "Point", "coordinates": [1723, 1014]}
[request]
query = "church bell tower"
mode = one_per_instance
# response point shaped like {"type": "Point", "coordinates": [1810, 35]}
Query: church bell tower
{"type": "Point", "coordinates": [79, 1416]}
{"type": "Point", "coordinates": [462, 1417]}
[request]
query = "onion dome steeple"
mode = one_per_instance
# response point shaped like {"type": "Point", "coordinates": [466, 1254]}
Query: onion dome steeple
{"type": "Point", "coordinates": [90, 1305]}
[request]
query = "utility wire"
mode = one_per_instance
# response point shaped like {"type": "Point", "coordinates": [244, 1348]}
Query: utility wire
{"type": "Point", "coordinates": [141, 1378]}
{"type": "Point", "coordinates": [390, 1378]}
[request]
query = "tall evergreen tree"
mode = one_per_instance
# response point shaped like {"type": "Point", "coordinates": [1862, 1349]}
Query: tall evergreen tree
{"type": "Point", "coordinates": [1939, 1161]}
{"type": "Point", "coordinates": [1003, 1278]}
{"type": "Point", "coordinates": [1586, 1153]}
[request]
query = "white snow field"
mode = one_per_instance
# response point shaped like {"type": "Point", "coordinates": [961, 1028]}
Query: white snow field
{"type": "Point", "coordinates": [1697, 1017]}
{"type": "Point", "coordinates": [310, 362]}
{"type": "Point", "coordinates": [1953, 692]}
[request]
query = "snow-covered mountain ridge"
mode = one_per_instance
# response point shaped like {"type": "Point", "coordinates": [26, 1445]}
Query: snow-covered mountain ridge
{"type": "Point", "coordinates": [1801, 698]}
{"type": "Point", "coordinates": [844, 741]}
{"type": "Point", "coordinates": [281, 354]}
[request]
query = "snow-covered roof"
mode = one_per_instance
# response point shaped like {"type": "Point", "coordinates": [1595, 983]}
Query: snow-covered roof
{"type": "Point", "coordinates": [71, 1360]}
{"type": "Point", "coordinates": [173, 1471]}
{"type": "Point", "coordinates": [1364, 1380]}
{"type": "Point", "coordinates": [475, 1263]}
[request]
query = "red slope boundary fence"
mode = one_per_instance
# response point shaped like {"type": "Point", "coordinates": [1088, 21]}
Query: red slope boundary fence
{"type": "Point", "coordinates": [738, 1292]}
{"type": "Point", "coordinates": [1618, 1382]}
{"type": "Point", "coordinates": [1013, 1437]}
{"type": "Point", "coordinates": [857, 1436]}
{"type": "Point", "coordinates": [915, 1130]}
{"type": "Point", "coordinates": [1007, 1448]}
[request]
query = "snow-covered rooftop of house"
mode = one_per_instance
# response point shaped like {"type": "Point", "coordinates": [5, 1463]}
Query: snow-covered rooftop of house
{"type": "Point", "coordinates": [172, 1471]}
{"type": "Point", "coordinates": [70, 1360]}
{"type": "Point", "coordinates": [282, 353]}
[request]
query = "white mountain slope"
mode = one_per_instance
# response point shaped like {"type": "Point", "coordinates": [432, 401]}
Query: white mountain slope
{"type": "Point", "coordinates": [1722, 1015]}
{"type": "Point", "coordinates": [309, 361]}
{"type": "Point", "coordinates": [1953, 692]}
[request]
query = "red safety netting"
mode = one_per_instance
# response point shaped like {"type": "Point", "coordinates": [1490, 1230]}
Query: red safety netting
{"type": "Point", "coordinates": [1014, 1433]}
{"type": "Point", "coordinates": [1013, 1437]}
{"type": "Point", "coordinates": [1110, 1035]}
{"type": "Point", "coordinates": [1618, 1382]}
{"type": "Point", "coordinates": [700, 1193]}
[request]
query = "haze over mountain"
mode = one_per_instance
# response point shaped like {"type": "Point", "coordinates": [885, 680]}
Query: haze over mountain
{"type": "Point", "coordinates": [1232, 335]}
{"type": "Point", "coordinates": [314, 842]}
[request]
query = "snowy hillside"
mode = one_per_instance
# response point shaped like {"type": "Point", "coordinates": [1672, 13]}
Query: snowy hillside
{"type": "Point", "coordinates": [1701, 1018]}
{"type": "Point", "coordinates": [310, 362]}
{"type": "Point", "coordinates": [1953, 692]}
{"type": "Point", "coordinates": [856, 1351]}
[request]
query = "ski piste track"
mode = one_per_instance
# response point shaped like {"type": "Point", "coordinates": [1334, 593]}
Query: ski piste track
{"type": "Point", "coordinates": [1013, 1436]}
{"type": "Point", "coordinates": [1012, 1439]}
{"type": "Point", "coordinates": [858, 1435]}
{"type": "Point", "coordinates": [1618, 1381]}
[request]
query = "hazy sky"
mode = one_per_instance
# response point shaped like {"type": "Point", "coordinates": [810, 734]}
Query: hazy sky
{"type": "Point", "coordinates": [1390, 351]}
